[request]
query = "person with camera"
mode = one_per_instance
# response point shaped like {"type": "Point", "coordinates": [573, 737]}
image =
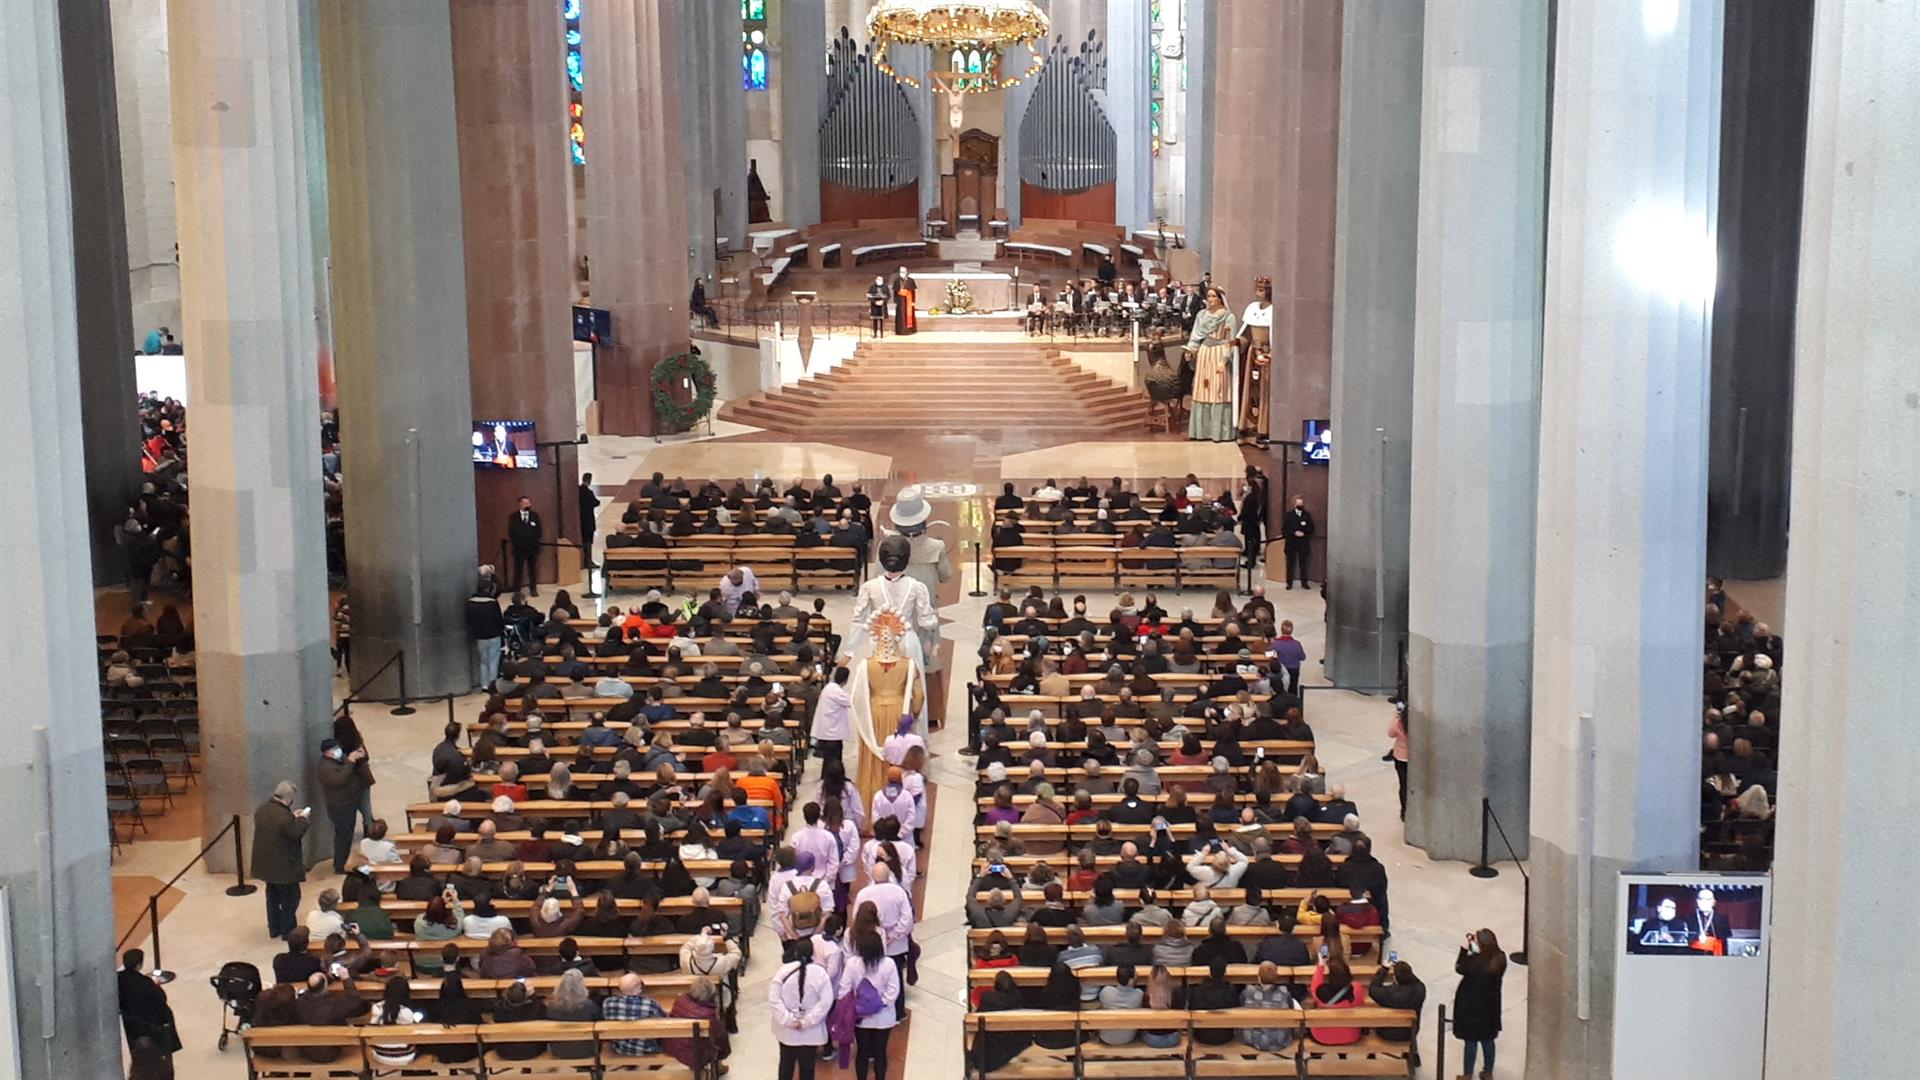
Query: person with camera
{"type": "Point", "coordinates": [1476, 1001]}
{"type": "Point", "coordinates": [279, 863]}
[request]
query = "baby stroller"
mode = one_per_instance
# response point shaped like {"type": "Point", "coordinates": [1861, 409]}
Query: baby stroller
{"type": "Point", "coordinates": [238, 985]}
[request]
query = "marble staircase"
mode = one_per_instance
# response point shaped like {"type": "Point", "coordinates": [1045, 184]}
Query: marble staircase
{"type": "Point", "coordinates": [950, 387]}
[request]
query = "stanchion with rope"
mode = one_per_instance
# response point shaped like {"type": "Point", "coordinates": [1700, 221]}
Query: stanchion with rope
{"type": "Point", "coordinates": [978, 579]}
{"type": "Point", "coordinates": [402, 709]}
{"type": "Point", "coordinates": [240, 887]}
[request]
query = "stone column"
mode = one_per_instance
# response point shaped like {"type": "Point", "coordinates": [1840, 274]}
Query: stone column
{"type": "Point", "coordinates": [510, 104]}
{"type": "Point", "coordinates": [53, 859]}
{"type": "Point", "coordinates": [259, 550]}
{"type": "Point", "coordinates": [1374, 232]}
{"type": "Point", "coordinates": [637, 236]}
{"type": "Point", "coordinates": [916, 62]}
{"type": "Point", "coordinates": [1846, 757]}
{"type": "Point", "coordinates": [109, 420]}
{"type": "Point", "coordinates": [139, 30]}
{"type": "Point", "coordinates": [1476, 382]}
{"type": "Point", "coordinates": [1621, 540]}
{"type": "Point", "coordinates": [799, 81]}
{"type": "Point", "coordinates": [1197, 127]}
{"type": "Point", "coordinates": [1275, 164]}
{"type": "Point", "coordinates": [1763, 139]}
{"type": "Point", "coordinates": [1129, 98]}
{"type": "Point", "coordinates": [1014, 100]}
{"type": "Point", "coordinates": [713, 112]}
{"type": "Point", "coordinates": [400, 338]}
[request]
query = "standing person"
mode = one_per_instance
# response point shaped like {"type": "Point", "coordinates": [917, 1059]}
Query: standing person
{"type": "Point", "coordinates": [523, 540]}
{"type": "Point", "coordinates": [1397, 731]}
{"type": "Point", "coordinates": [1253, 516]}
{"type": "Point", "coordinates": [904, 288]}
{"type": "Point", "coordinates": [342, 636]}
{"type": "Point", "coordinates": [486, 625]}
{"type": "Point", "coordinates": [875, 983]}
{"type": "Point", "coordinates": [800, 996]}
{"type": "Point", "coordinates": [1214, 390]}
{"type": "Point", "coordinates": [277, 858]}
{"type": "Point", "coordinates": [1297, 525]}
{"type": "Point", "coordinates": [144, 1012]}
{"type": "Point", "coordinates": [343, 781]}
{"type": "Point", "coordinates": [1290, 653]}
{"type": "Point", "coordinates": [589, 518]}
{"type": "Point", "coordinates": [877, 306]}
{"type": "Point", "coordinates": [831, 724]}
{"type": "Point", "coordinates": [894, 909]}
{"type": "Point", "coordinates": [1476, 1001]}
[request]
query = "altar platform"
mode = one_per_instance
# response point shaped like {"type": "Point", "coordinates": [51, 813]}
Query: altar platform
{"type": "Point", "coordinates": [974, 322]}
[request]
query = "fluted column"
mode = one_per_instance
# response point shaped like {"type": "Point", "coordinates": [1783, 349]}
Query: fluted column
{"type": "Point", "coordinates": [713, 111]}
{"type": "Point", "coordinates": [799, 82]}
{"type": "Point", "coordinates": [1372, 407]}
{"type": "Point", "coordinates": [400, 337]}
{"type": "Point", "coordinates": [1621, 516]}
{"type": "Point", "coordinates": [1847, 757]}
{"type": "Point", "coordinates": [637, 235]}
{"type": "Point", "coordinates": [510, 103]}
{"type": "Point", "coordinates": [1129, 99]}
{"type": "Point", "coordinates": [53, 855]}
{"type": "Point", "coordinates": [1275, 161]}
{"type": "Point", "coordinates": [246, 262]}
{"type": "Point", "coordinates": [1476, 382]}
{"type": "Point", "coordinates": [1198, 126]}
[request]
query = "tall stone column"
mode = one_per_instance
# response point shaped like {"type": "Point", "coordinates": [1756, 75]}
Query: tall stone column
{"type": "Point", "coordinates": [637, 237]}
{"type": "Point", "coordinates": [1374, 233]}
{"type": "Point", "coordinates": [259, 549]}
{"type": "Point", "coordinates": [1198, 126]}
{"type": "Point", "coordinates": [1476, 382]}
{"type": "Point", "coordinates": [510, 104]}
{"type": "Point", "coordinates": [799, 81]}
{"type": "Point", "coordinates": [1129, 109]}
{"type": "Point", "coordinates": [400, 338]}
{"type": "Point", "coordinates": [1763, 140]}
{"type": "Point", "coordinates": [53, 857]}
{"type": "Point", "coordinates": [1847, 759]}
{"type": "Point", "coordinates": [1621, 542]}
{"type": "Point", "coordinates": [109, 419]}
{"type": "Point", "coordinates": [713, 112]}
{"type": "Point", "coordinates": [1275, 166]}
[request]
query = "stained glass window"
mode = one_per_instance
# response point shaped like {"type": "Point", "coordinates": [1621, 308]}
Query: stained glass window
{"type": "Point", "coordinates": [576, 84]}
{"type": "Point", "coordinates": [753, 44]}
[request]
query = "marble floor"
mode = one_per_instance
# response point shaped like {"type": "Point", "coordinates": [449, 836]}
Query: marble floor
{"type": "Point", "coordinates": [1434, 902]}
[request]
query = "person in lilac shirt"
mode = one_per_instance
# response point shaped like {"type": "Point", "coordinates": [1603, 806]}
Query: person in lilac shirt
{"type": "Point", "coordinates": [893, 799]}
{"type": "Point", "coordinates": [738, 581]}
{"type": "Point", "coordinates": [895, 911]}
{"type": "Point", "coordinates": [817, 841]}
{"type": "Point", "coordinates": [1291, 654]}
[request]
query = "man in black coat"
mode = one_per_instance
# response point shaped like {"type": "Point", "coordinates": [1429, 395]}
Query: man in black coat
{"type": "Point", "coordinates": [589, 517]}
{"type": "Point", "coordinates": [1297, 527]}
{"type": "Point", "coordinates": [523, 541]}
{"type": "Point", "coordinates": [1363, 875]}
{"type": "Point", "coordinates": [144, 1011]}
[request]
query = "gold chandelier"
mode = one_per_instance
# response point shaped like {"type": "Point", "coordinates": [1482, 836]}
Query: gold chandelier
{"type": "Point", "coordinates": [968, 37]}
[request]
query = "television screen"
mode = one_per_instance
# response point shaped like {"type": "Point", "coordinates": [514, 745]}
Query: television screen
{"type": "Point", "coordinates": [592, 324]}
{"type": "Point", "coordinates": [1678, 917]}
{"type": "Point", "coordinates": [505, 444]}
{"type": "Point", "coordinates": [1316, 441]}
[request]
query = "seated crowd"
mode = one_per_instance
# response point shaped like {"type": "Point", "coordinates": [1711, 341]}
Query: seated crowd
{"type": "Point", "coordinates": [1740, 738]}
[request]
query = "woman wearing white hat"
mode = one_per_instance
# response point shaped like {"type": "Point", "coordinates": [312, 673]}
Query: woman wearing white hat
{"type": "Point", "coordinates": [926, 560]}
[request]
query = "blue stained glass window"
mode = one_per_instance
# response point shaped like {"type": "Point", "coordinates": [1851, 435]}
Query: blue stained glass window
{"type": "Point", "coordinates": [576, 84]}
{"type": "Point", "coordinates": [753, 45]}
{"type": "Point", "coordinates": [576, 71]}
{"type": "Point", "coordinates": [570, 10]}
{"type": "Point", "coordinates": [756, 68]}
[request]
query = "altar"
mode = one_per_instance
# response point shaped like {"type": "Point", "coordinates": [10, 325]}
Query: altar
{"type": "Point", "coordinates": [991, 291]}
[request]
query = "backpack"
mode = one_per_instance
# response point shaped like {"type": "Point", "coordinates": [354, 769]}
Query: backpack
{"type": "Point", "coordinates": [803, 906]}
{"type": "Point", "coordinates": [866, 1000]}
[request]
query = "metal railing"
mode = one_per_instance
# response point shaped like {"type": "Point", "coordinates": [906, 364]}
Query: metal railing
{"type": "Point", "coordinates": [1484, 869]}
{"type": "Point", "coordinates": [151, 916]}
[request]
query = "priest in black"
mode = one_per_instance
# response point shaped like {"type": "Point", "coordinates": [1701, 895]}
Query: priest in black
{"type": "Point", "coordinates": [877, 306]}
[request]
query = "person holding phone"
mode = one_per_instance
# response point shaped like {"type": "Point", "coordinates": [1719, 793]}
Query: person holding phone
{"type": "Point", "coordinates": [1476, 1001]}
{"type": "Point", "coordinates": [277, 857]}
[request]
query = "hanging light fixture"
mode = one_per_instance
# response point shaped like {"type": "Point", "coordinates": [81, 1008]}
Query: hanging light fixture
{"type": "Point", "coordinates": [968, 38]}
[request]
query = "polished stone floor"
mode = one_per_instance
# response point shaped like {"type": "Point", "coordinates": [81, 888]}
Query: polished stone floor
{"type": "Point", "coordinates": [1434, 902]}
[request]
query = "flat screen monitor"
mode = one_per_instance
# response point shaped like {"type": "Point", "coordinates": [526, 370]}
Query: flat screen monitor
{"type": "Point", "coordinates": [592, 324]}
{"type": "Point", "coordinates": [505, 444]}
{"type": "Point", "coordinates": [1673, 916]}
{"type": "Point", "coordinates": [1316, 442]}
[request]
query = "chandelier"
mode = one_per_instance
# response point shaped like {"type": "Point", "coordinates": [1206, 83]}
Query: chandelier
{"type": "Point", "coordinates": [968, 38]}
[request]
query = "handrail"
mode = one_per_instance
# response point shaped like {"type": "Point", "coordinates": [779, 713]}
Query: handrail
{"type": "Point", "coordinates": [152, 915]}
{"type": "Point", "coordinates": [1484, 869]}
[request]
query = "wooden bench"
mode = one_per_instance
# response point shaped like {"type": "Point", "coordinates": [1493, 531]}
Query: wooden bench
{"type": "Point", "coordinates": [774, 560]}
{"type": "Point", "coordinates": [355, 1048]}
{"type": "Point", "coordinates": [1101, 561]}
{"type": "Point", "coordinates": [888, 250]}
{"type": "Point", "coordinates": [1088, 1057]}
{"type": "Point", "coordinates": [830, 255]}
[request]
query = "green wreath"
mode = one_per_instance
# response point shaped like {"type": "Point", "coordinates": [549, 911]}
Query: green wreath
{"type": "Point", "coordinates": [668, 374]}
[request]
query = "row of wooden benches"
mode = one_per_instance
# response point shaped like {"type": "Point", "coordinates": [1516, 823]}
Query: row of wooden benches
{"type": "Point", "coordinates": [678, 566]}
{"type": "Point", "coordinates": [1087, 1056]}
{"type": "Point", "coordinates": [1101, 565]}
{"type": "Point", "coordinates": [491, 1046]}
